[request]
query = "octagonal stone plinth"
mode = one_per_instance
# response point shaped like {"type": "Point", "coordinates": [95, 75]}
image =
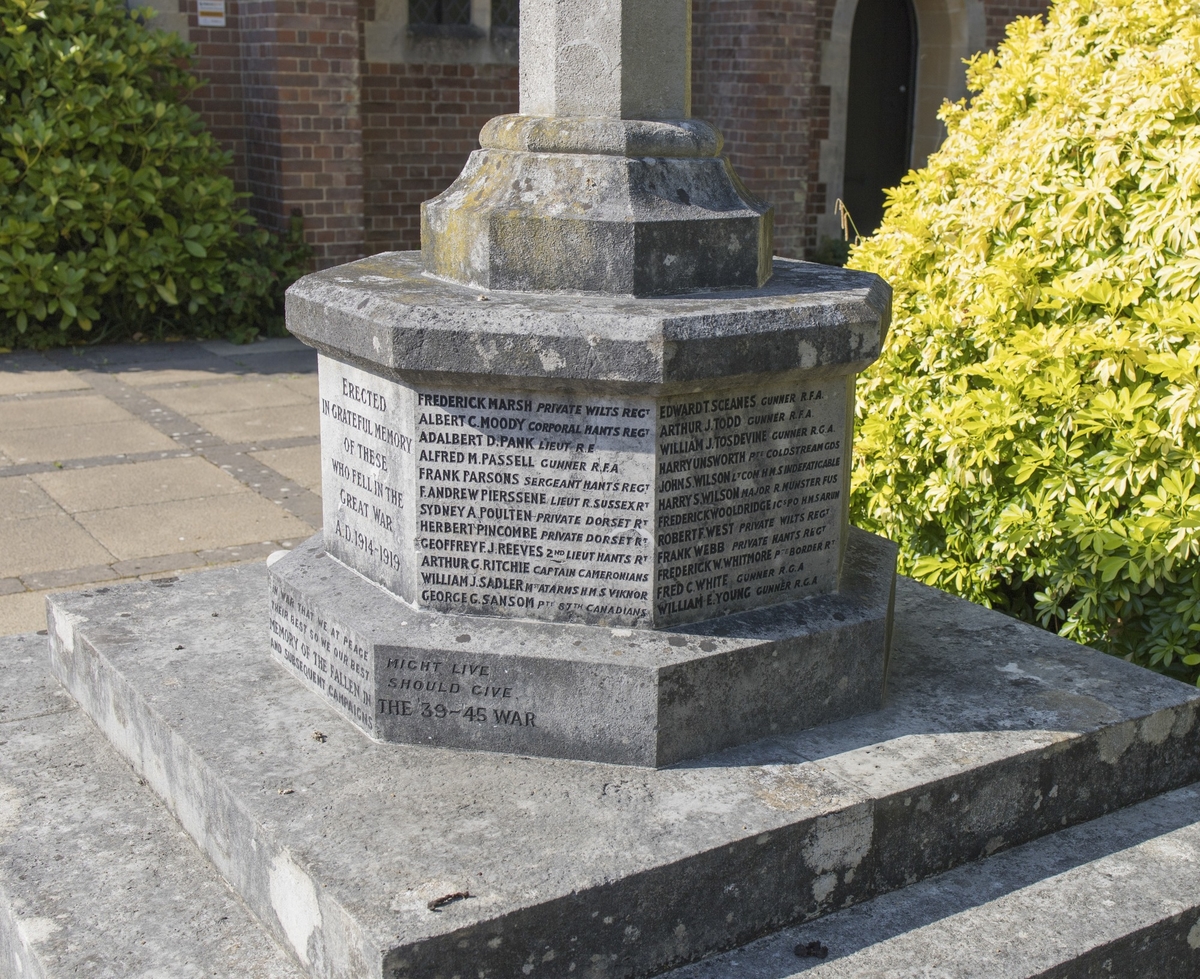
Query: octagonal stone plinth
{"type": "Point", "coordinates": [560, 222]}
{"type": "Point", "coordinates": [626, 696]}
{"type": "Point", "coordinates": [582, 526]}
{"type": "Point", "coordinates": [576, 460]}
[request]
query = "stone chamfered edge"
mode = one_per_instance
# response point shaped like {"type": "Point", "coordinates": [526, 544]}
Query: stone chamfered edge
{"type": "Point", "coordinates": [598, 224]}
{"type": "Point", "coordinates": [995, 733]}
{"type": "Point", "coordinates": [631, 697]}
{"type": "Point", "coordinates": [385, 315]}
{"type": "Point", "coordinates": [78, 831]}
{"type": "Point", "coordinates": [1106, 898]}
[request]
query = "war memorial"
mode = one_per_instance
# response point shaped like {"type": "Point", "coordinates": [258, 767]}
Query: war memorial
{"type": "Point", "coordinates": [587, 673]}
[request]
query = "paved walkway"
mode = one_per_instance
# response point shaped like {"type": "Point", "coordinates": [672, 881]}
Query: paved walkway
{"type": "Point", "coordinates": [148, 460]}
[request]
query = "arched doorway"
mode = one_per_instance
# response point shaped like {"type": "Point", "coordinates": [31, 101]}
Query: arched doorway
{"type": "Point", "coordinates": [879, 106]}
{"type": "Point", "coordinates": [947, 31]}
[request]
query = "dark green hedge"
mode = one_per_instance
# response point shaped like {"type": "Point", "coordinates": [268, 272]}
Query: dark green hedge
{"type": "Point", "coordinates": [116, 217]}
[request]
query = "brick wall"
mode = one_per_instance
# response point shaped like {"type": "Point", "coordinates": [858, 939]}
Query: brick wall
{"type": "Point", "coordinates": [282, 93]}
{"type": "Point", "coordinates": [756, 71]}
{"type": "Point", "coordinates": [300, 72]}
{"type": "Point", "coordinates": [219, 101]}
{"type": "Point", "coordinates": [1001, 13]}
{"type": "Point", "coordinates": [420, 123]}
{"type": "Point", "coordinates": [357, 146]}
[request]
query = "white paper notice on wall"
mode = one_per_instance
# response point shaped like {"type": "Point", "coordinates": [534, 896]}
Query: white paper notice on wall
{"type": "Point", "coordinates": [210, 13]}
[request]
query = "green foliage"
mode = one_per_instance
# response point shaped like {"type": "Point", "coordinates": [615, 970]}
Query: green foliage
{"type": "Point", "coordinates": [1030, 434]}
{"type": "Point", "coordinates": [115, 217]}
{"type": "Point", "coordinates": [831, 251]}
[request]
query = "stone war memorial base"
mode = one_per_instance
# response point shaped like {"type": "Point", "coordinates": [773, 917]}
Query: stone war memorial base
{"type": "Point", "coordinates": [629, 696]}
{"type": "Point", "coordinates": [1003, 760]}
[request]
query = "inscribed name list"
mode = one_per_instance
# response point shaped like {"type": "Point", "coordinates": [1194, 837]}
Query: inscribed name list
{"type": "Point", "coordinates": [579, 508]}
{"type": "Point", "coordinates": [750, 497]}
{"type": "Point", "coordinates": [530, 505]}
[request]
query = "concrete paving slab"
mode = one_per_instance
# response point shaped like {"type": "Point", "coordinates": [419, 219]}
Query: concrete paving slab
{"type": "Point", "coordinates": [84, 441]}
{"type": "Point", "coordinates": [162, 376]}
{"type": "Point", "coordinates": [68, 577]}
{"type": "Point", "coordinates": [160, 564]}
{"type": "Point", "coordinates": [24, 380]}
{"type": "Point", "coordinates": [1117, 896]}
{"type": "Point", "coordinates": [306, 384]}
{"type": "Point", "coordinates": [21, 496]}
{"type": "Point", "coordinates": [24, 611]}
{"type": "Point", "coordinates": [96, 878]}
{"type": "Point", "coordinates": [618, 872]}
{"type": "Point", "coordinates": [89, 463]}
{"type": "Point", "coordinates": [166, 564]}
{"type": "Point", "coordinates": [301, 464]}
{"type": "Point", "coordinates": [84, 409]}
{"type": "Point", "coordinates": [263, 424]}
{"type": "Point", "coordinates": [109, 487]}
{"type": "Point", "coordinates": [116, 356]}
{"type": "Point", "coordinates": [222, 556]}
{"type": "Point", "coordinates": [47, 543]}
{"type": "Point", "coordinates": [228, 396]}
{"type": "Point", "coordinates": [283, 362]}
{"type": "Point", "coordinates": [266, 345]}
{"type": "Point", "coordinates": [171, 527]}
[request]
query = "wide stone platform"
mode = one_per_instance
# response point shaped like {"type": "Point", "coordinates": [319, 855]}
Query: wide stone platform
{"type": "Point", "coordinates": [1118, 896]}
{"type": "Point", "coordinates": [994, 734]}
{"type": "Point", "coordinates": [96, 877]}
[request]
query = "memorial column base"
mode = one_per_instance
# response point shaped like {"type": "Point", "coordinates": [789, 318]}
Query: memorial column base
{"type": "Point", "coordinates": [587, 527]}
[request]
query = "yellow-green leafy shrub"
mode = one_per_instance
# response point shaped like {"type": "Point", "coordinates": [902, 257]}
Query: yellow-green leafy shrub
{"type": "Point", "coordinates": [1030, 434]}
{"type": "Point", "coordinates": [115, 216]}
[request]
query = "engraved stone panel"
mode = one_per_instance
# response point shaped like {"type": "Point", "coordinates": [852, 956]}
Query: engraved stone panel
{"type": "Point", "coordinates": [750, 497]}
{"type": "Point", "coordinates": [570, 506]}
{"type": "Point", "coordinates": [535, 505]}
{"type": "Point", "coordinates": [333, 660]}
{"type": "Point", "coordinates": [367, 471]}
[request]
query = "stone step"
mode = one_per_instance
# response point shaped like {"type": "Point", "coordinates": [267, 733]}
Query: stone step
{"type": "Point", "coordinates": [995, 733]}
{"type": "Point", "coordinates": [96, 877]}
{"type": "Point", "coordinates": [1118, 896]}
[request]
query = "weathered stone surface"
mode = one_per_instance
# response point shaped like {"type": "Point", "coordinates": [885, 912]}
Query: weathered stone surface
{"type": "Point", "coordinates": [620, 58]}
{"type": "Point", "coordinates": [584, 506]}
{"type": "Point", "coordinates": [602, 184]}
{"type": "Point", "coordinates": [601, 134]}
{"type": "Point", "coordinates": [383, 314]}
{"type": "Point", "coordinates": [634, 697]}
{"type": "Point", "coordinates": [995, 733]}
{"type": "Point", "coordinates": [96, 878]}
{"type": "Point", "coordinates": [1118, 896]}
{"type": "Point", "coordinates": [646, 226]}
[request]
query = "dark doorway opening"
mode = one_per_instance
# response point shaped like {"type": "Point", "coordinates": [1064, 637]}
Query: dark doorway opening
{"type": "Point", "coordinates": [879, 109]}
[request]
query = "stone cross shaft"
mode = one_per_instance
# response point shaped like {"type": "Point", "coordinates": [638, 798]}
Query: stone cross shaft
{"type": "Point", "coordinates": [603, 183]}
{"type": "Point", "coordinates": [624, 59]}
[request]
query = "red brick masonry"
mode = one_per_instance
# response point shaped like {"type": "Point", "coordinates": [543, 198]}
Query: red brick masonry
{"type": "Point", "coordinates": [356, 146]}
